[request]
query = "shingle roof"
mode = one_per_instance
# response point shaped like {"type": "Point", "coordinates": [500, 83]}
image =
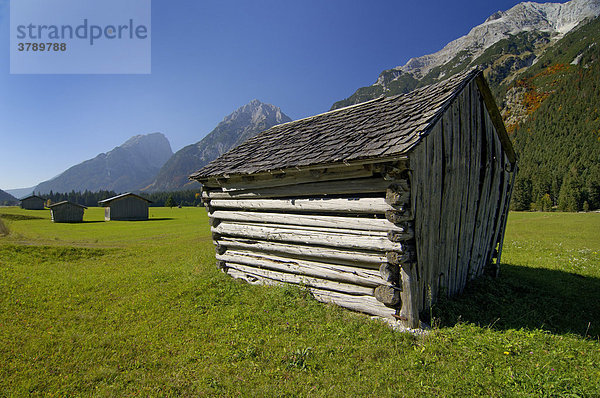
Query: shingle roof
{"type": "Point", "coordinates": [383, 127]}
{"type": "Point", "coordinates": [31, 196]}
{"type": "Point", "coordinates": [66, 202]}
{"type": "Point", "coordinates": [106, 202]}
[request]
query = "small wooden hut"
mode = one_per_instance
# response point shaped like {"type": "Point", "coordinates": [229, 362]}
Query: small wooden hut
{"type": "Point", "coordinates": [379, 207]}
{"type": "Point", "coordinates": [33, 202]}
{"type": "Point", "coordinates": [125, 207]}
{"type": "Point", "coordinates": [66, 211]}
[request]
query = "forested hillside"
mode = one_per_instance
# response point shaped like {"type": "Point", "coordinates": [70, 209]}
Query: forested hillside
{"type": "Point", "coordinates": [559, 142]}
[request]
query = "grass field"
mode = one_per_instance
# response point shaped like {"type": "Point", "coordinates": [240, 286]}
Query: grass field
{"type": "Point", "coordinates": [139, 309]}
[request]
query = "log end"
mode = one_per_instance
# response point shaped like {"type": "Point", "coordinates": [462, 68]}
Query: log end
{"type": "Point", "coordinates": [388, 295]}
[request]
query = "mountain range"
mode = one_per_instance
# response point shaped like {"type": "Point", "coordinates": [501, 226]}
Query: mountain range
{"type": "Point", "coordinates": [505, 44]}
{"type": "Point", "coordinates": [542, 62]}
{"type": "Point", "coordinates": [130, 166]}
{"type": "Point", "coordinates": [237, 127]}
{"type": "Point", "coordinates": [7, 199]}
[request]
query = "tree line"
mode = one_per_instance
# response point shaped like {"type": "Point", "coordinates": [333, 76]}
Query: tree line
{"type": "Point", "coordinates": [559, 146]}
{"type": "Point", "coordinates": [159, 199]}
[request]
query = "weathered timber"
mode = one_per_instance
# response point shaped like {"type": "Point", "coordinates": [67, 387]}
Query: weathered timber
{"type": "Point", "coordinates": [359, 223]}
{"type": "Point", "coordinates": [397, 258]}
{"type": "Point", "coordinates": [366, 304]}
{"type": "Point", "coordinates": [333, 272]}
{"type": "Point", "coordinates": [291, 177]}
{"type": "Point", "coordinates": [390, 272]}
{"type": "Point", "coordinates": [338, 256]}
{"type": "Point", "coordinates": [307, 237]}
{"type": "Point", "coordinates": [360, 303]}
{"type": "Point", "coordinates": [388, 295]}
{"type": "Point", "coordinates": [503, 227]}
{"type": "Point", "coordinates": [319, 205]}
{"type": "Point", "coordinates": [356, 186]}
{"type": "Point", "coordinates": [409, 310]}
{"type": "Point", "coordinates": [301, 280]}
{"type": "Point", "coordinates": [400, 236]}
{"type": "Point", "coordinates": [397, 194]}
{"type": "Point", "coordinates": [398, 216]}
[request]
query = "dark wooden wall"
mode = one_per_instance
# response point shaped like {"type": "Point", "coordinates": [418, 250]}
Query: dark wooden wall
{"type": "Point", "coordinates": [128, 208]}
{"type": "Point", "coordinates": [67, 213]}
{"type": "Point", "coordinates": [460, 179]}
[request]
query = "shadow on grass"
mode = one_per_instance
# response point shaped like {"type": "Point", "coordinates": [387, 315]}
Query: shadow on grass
{"type": "Point", "coordinates": [529, 298]}
{"type": "Point", "coordinates": [160, 219]}
{"type": "Point", "coordinates": [20, 217]}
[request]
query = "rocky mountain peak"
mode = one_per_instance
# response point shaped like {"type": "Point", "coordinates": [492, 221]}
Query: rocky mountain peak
{"type": "Point", "coordinates": [556, 18]}
{"type": "Point", "coordinates": [243, 123]}
{"type": "Point", "coordinates": [129, 166]}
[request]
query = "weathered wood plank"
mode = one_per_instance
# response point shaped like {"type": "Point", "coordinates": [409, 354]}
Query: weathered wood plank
{"type": "Point", "coordinates": [321, 205]}
{"type": "Point", "coordinates": [291, 177]}
{"type": "Point", "coordinates": [474, 138]}
{"type": "Point", "coordinates": [409, 296]}
{"type": "Point", "coordinates": [506, 207]}
{"type": "Point", "coordinates": [359, 223]}
{"type": "Point", "coordinates": [337, 231]}
{"type": "Point", "coordinates": [360, 303]}
{"type": "Point", "coordinates": [338, 273]}
{"type": "Point", "coordinates": [388, 295]}
{"type": "Point", "coordinates": [366, 304]}
{"type": "Point", "coordinates": [339, 256]}
{"type": "Point", "coordinates": [307, 237]}
{"type": "Point", "coordinates": [343, 187]}
{"type": "Point", "coordinates": [300, 279]}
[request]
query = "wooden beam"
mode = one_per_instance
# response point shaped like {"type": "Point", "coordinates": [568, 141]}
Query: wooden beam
{"type": "Point", "coordinates": [344, 187]}
{"type": "Point", "coordinates": [496, 118]}
{"type": "Point", "coordinates": [359, 223]}
{"type": "Point", "coordinates": [307, 237]}
{"type": "Point", "coordinates": [321, 205]}
{"type": "Point", "coordinates": [339, 256]}
{"type": "Point", "coordinates": [337, 273]}
{"type": "Point", "coordinates": [300, 279]}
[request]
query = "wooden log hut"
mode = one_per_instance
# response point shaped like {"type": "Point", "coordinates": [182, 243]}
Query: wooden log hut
{"type": "Point", "coordinates": [379, 207]}
{"type": "Point", "coordinates": [125, 207]}
{"type": "Point", "coordinates": [33, 202]}
{"type": "Point", "coordinates": [66, 211]}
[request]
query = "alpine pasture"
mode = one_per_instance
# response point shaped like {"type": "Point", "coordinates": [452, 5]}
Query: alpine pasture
{"type": "Point", "coordinates": [139, 309]}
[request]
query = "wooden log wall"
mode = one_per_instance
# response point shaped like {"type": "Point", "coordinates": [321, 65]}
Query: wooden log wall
{"type": "Point", "coordinates": [344, 233]}
{"type": "Point", "coordinates": [461, 184]}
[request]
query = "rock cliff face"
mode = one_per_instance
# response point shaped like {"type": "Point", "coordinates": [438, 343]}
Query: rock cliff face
{"type": "Point", "coordinates": [242, 124]}
{"type": "Point", "coordinates": [554, 18]}
{"type": "Point", "coordinates": [506, 43]}
{"type": "Point", "coordinates": [128, 167]}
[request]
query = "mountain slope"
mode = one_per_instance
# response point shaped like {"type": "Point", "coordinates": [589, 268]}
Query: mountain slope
{"type": "Point", "coordinates": [128, 167]}
{"type": "Point", "coordinates": [20, 192]}
{"type": "Point", "coordinates": [557, 131]}
{"type": "Point", "coordinates": [242, 124]}
{"type": "Point", "coordinates": [504, 44]}
{"type": "Point", "coordinates": [7, 199]}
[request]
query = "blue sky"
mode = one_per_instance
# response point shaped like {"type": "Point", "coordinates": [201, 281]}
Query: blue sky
{"type": "Point", "coordinates": [209, 58]}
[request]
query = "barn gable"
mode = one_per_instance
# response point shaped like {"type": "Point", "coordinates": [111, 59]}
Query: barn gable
{"type": "Point", "coordinates": [67, 212]}
{"type": "Point", "coordinates": [33, 202]}
{"type": "Point", "coordinates": [125, 207]}
{"type": "Point", "coordinates": [372, 207]}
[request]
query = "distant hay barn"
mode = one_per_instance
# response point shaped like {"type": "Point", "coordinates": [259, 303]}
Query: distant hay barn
{"type": "Point", "coordinates": [33, 202]}
{"type": "Point", "coordinates": [125, 207]}
{"type": "Point", "coordinates": [66, 211]}
{"type": "Point", "coordinates": [379, 207]}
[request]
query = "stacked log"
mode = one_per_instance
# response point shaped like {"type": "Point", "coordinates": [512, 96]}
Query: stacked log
{"type": "Point", "coordinates": [348, 241]}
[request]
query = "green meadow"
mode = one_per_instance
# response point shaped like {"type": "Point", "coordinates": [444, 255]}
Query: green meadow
{"type": "Point", "coordinates": [139, 309]}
